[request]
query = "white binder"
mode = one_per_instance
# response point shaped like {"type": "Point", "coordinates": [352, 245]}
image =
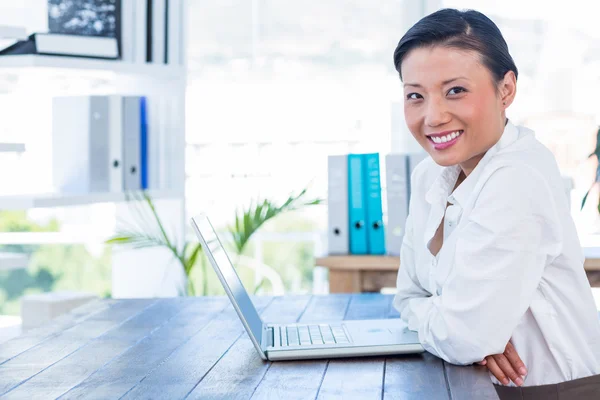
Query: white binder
{"type": "Point", "coordinates": [158, 29]}
{"type": "Point", "coordinates": [81, 144]}
{"type": "Point", "coordinates": [140, 31]}
{"type": "Point", "coordinates": [337, 204]}
{"type": "Point", "coordinates": [175, 24]}
{"type": "Point", "coordinates": [71, 144]}
{"type": "Point", "coordinates": [131, 143]}
{"type": "Point", "coordinates": [128, 30]}
{"type": "Point", "coordinates": [115, 140]}
{"type": "Point", "coordinates": [99, 144]}
{"type": "Point", "coordinates": [397, 192]}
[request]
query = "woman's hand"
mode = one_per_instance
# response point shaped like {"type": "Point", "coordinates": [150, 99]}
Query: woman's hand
{"type": "Point", "coordinates": [506, 366]}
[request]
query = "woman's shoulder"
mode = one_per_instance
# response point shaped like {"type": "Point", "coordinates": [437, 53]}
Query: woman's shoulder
{"type": "Point", "coordinates": [527, 168]}
{"type": "Point", "coordinates": [526, 150]}
{"type": "Point", "coordinates": [526, 159]}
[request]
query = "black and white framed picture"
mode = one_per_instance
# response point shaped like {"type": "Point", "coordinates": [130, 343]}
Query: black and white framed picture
{"type": "Point", "coordinates": [84, 17]}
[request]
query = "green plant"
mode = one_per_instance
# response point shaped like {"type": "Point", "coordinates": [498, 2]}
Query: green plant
{"type": "Point", "coordinates": [249, 220]}
{"type": "Point", "coordinates": [596, 153]}
{"type": "Point", "coordinates": [149, 231]}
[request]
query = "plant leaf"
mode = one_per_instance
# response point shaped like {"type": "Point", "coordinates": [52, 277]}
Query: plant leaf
{"type": "Point", "coordinates": [157, 219]}
{"type": "Point", "coordinates": [191, 261]}
{"type": "Point", "coordinates": [118, 239]}
{"type": "Point", "coordinates": [259, 286]}
{"type": "Point", "coordinates": [191, 288]}
{"type": "Point", "coordinates": [143, 219]}
{"type": "Point", "coordinates": [141, 235]}
{"type": "Point", "coordinates": [135, 239]}
{"type": "Point", "coordinates": [585, 197]}
{"type": "Point", "coordinates": [249, 220]}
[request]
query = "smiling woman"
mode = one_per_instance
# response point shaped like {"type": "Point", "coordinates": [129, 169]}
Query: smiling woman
{"type": "Point", "coordinates": [492, 269]}
{"type": "Point", "coordinates": [474, 85]}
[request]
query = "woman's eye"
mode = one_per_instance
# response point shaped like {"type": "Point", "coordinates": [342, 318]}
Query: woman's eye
{"type": "Point", "coordinates": [457, 90]}
{"type": "Point", "coordinates": [413, 96]}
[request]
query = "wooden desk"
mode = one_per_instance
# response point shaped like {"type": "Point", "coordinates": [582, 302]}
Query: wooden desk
{"type": "Point", "coordinates": [360, 274]}
{"type": "Point", "coordinates": [196, 347]}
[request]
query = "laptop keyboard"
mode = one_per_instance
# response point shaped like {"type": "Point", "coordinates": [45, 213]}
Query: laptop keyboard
{"type": "Point", "coordinates": [307, 335]}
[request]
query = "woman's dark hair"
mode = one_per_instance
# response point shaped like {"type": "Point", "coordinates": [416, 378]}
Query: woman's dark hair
{"type": "Point", "coordinates": [465, 30]}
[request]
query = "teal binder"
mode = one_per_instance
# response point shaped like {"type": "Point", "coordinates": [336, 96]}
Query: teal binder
{"type": "Point", "coordinates": [356, 205]}
{"type": "Point", "coordinates": [374, 208]}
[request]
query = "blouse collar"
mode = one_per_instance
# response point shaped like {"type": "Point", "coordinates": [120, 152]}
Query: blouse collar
{"type": "Point", "coordinates": [444, 183]}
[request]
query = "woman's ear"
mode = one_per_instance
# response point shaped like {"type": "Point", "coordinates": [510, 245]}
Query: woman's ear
{"type": "Point", "coordinates": [508, 89]}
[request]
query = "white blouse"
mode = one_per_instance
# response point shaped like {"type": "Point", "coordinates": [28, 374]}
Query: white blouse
{"type": "Point", "coordinates": [510, 267]}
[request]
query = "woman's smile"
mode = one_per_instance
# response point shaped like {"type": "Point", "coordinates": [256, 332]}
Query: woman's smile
{"type": "Point", "coordinates": [444, 140]}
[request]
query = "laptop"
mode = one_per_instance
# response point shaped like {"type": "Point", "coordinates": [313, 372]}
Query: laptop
{"type": "Point", "coordinates": [306, 340]}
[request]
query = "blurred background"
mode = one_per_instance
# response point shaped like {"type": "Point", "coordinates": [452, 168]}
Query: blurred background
{"type": "Point", "coordinates": [270, 89]}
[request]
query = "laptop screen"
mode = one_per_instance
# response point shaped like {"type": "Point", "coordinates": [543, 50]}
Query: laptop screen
{"type": "Point", "coordinates": [221, 262]}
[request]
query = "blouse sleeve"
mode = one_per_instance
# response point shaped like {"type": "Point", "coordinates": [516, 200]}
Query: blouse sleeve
{"type": "Point", "coordinates": [408, 287]}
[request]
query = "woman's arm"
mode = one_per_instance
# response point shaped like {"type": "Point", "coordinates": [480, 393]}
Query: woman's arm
{"type": "Point", "coordinates": [407, 283]}
{"type": "Point", "coordinates": [510, 236]}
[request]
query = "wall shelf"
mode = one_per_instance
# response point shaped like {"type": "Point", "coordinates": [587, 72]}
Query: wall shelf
{"type": "Point", "coordinates": [88, 66]}
{"type": "Point", "coordinates": [65, 200]}
{"type": "Point", "coordinates": [135, 272]}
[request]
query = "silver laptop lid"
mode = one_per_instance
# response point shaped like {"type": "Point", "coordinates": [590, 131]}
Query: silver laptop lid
{"type": "Point", "coordinates": [230, 279]}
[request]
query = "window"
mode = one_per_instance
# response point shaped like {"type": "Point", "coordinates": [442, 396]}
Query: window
{"type": "Point", "coordinates": [274, 87]}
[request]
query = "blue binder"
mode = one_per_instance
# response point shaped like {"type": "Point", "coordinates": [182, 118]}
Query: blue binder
{"type": "Point", "coordinates": [356, 205]}
{"type": "Point", "coordinates": [374, 214]}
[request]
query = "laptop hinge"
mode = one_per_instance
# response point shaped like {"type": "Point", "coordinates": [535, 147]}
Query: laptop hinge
{"type": "Point", "coordinates": [266, 339]}
{"type": "Point", "coordinates": [270, 336]}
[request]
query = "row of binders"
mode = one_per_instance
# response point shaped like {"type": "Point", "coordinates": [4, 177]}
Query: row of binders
{"type": "Point", "coordinates": [136, 31]}
{"type": "Point", "coordinates": [99, 144]}
{"type": "Point", "coordinates": [355, 207]}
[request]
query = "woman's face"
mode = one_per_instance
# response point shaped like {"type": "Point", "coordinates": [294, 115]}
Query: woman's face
{"type": "Point", "coordinates": [452, 105]}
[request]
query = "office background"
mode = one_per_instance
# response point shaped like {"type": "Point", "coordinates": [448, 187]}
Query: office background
{"type": "Point", "coordinates": [267, 90]}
